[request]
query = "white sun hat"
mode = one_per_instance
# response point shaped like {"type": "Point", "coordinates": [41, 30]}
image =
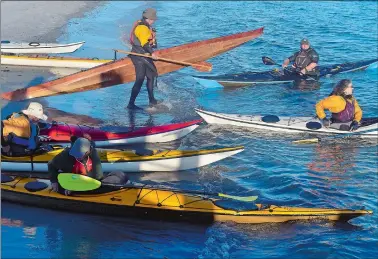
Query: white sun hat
{"type": "Point", "coordinates": [35, 109]}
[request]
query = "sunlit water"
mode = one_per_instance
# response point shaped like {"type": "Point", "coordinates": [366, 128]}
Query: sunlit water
{"type": "Point", "coordinates": [334, 174]}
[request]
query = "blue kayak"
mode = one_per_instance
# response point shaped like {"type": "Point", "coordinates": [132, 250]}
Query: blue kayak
{"type": "Point", "coordinates": [279, 76]}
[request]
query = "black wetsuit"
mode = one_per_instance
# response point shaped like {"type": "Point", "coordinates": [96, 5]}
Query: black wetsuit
{"type": "Point", "coordinates": [303, 58]}
{"type": "Point", "coordinates": [144, 67]}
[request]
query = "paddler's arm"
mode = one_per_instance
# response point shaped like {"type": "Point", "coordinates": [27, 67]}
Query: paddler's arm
{"type": "Point", "coordinates": [96, 172]}
{"type": "Point", "coordinates": [314, 62]}
{"type": "Point", "coordinates": [357, 112]}
{"type": "Point", "coordinates": [289, 59]}
{"type": "Point", "coordinates": [332, 103]}
{"type": "Point", "coordinates": [60, 162]}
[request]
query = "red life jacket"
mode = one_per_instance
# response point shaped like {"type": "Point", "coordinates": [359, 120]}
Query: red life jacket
{"type": "Point", "coordinates": [151, 41]}
{"type": "Point", "coordinates": [81, 168]}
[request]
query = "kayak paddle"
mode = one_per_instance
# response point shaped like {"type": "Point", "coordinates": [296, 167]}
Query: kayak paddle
{"type": "Point", "coordinates": [319, 139]}
{"type": "Point", "coordinates": [77, 182]}
{"type": "Point", "coordinates": [202, 66]}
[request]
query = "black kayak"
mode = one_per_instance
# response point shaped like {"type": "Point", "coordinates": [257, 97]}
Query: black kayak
{"type": "Point", "coordinates": [276, 76]}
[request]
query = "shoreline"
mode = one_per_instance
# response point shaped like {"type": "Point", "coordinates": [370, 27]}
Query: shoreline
{"type": "Point", "coordinates": [18, 23]}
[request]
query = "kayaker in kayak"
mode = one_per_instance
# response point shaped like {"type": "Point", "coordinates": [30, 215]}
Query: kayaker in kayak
{"type": "Point", "coordinates": [346, 113]}
{"type": "Point", "coordinates": [305, 60]}
{"type": "Point", "coordinates": [143, 41]}
{"type": "Point", "coordinates": [19, 131]}
{"type": "Point", "coordinates": [81, 158]}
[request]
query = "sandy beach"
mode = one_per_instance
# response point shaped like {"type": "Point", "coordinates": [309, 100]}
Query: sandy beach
{"type": "Point", "coordinates": [41, 21]}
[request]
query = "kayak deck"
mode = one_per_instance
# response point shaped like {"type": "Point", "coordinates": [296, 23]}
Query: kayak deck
{"type": "Point", "coordinates": [152, 203]}
{"type": "Point", "coordinates": [127, 161]}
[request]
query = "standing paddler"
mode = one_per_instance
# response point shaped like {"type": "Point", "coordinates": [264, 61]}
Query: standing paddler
{"type": "Point", "coordinates": [143, 41]}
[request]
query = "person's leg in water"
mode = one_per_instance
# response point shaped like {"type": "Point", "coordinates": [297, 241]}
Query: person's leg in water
{"type": "Point", "coordinates": [140, 73]}
{"type": "Point", "coordinates": [151, 75]}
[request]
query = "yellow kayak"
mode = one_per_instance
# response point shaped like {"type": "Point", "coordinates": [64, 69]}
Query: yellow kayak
{"type": "Point", "coordinates": [152, 203]}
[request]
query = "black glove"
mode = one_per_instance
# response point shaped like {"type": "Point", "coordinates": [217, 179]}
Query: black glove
{"type": "Point", "coordinates": [354, 126]}
{"type": "Point", "coordinates": [326, 122]}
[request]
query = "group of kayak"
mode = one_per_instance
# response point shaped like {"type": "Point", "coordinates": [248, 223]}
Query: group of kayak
{"type": "Point", "coordinates": [63, 166]}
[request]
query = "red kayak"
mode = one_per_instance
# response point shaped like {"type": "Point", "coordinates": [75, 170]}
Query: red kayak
{"type": "Point", "coordinates": [60, 133]}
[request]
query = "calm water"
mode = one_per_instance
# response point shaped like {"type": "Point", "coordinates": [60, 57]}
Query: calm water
{"type": "Point", "coordinates": [342, 174]}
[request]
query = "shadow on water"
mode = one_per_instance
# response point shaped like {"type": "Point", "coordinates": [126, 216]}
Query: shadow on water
{"type": "Point", "coordinates": [68, 235]}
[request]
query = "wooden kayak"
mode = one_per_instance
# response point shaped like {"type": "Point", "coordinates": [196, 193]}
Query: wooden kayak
{"type": "Point", "coordinates": [122, 71]}
{"type": "Point", "coordinates": [37, 47]}
{"type": "Point", "coordinates": [51, 61]}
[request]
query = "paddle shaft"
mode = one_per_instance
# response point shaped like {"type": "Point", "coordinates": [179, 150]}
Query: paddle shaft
{"type": "Point", "coordinates": [162, 59]}
{"type": "Point", "coordinates": [350, 134]}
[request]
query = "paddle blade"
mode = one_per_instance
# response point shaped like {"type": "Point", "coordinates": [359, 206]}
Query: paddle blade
{"type": "Point", "coordinates": [77, 182]}
{"type": "Point", "coordinates": [247, 198]}
{"type": "Point", "coordinates": [202, 66]}
{"type": "Point", "coordinates": [268, 61]}
{"type": "Point", "coordinates": [208, 83]}
{"type": "Point", "coordinates": [306, 141]}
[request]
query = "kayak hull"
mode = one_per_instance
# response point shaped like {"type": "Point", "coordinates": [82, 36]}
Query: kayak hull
{"type": "Point", "coordinates": [126, 161]}
{"type": "Point", "coordinates": [122, 71]}
{"type": "Point", "coordinates": [285, 124]}
{"type": "Point", "coordinates": [35, 47]}
{"type": "Point", "coordinates": [277, 76]}
{"type": "Point", "coordinates": [149, 203]}
{"type": "Point", "coordinates": [60, 134]}
{"type": "Point", "coordinates": [51, 61]}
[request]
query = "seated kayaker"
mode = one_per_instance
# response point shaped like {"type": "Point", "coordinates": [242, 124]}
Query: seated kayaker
{"type": "Point", "coordinates": [346, 113]}
{"type": "Point", "coordinates": [305, 60]}
{"type": "Point", "coordinates": [19, 131]}
{"type": "Point", "coordinates": [81, 158]}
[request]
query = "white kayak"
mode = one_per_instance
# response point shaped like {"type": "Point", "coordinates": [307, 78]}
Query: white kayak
{"type": "Point", "coordinates": [52, 61]}
{"type": "Point", "coordinates": [39, 48]}
{"type": "Point", "coordinates": [126, 161]}
{"type": "Point", "coordinates": [368, 128]}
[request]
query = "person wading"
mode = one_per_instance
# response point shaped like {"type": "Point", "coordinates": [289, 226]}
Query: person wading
{"type": "Point", "coordinates": [143, 41]}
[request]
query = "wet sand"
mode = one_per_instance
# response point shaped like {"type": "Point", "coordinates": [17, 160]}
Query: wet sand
{"type": "Point", "coordinates": [19, 23]}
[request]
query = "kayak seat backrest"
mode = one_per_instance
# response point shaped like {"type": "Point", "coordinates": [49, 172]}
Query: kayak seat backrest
{"type": "Point", "coordinates": [6, 178]}
{"type": "Point", "coordinates": [270, 119]}
{"type": "Point", "coordinates": [314, 125]}
{"type": "Point", "coordinates": [35, 186]}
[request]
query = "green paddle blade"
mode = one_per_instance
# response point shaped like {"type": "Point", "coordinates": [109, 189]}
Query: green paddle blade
{"type": "Point", "coordinates": [77, 182]}
{"type": "Point", "coordinates": [239, 198]}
